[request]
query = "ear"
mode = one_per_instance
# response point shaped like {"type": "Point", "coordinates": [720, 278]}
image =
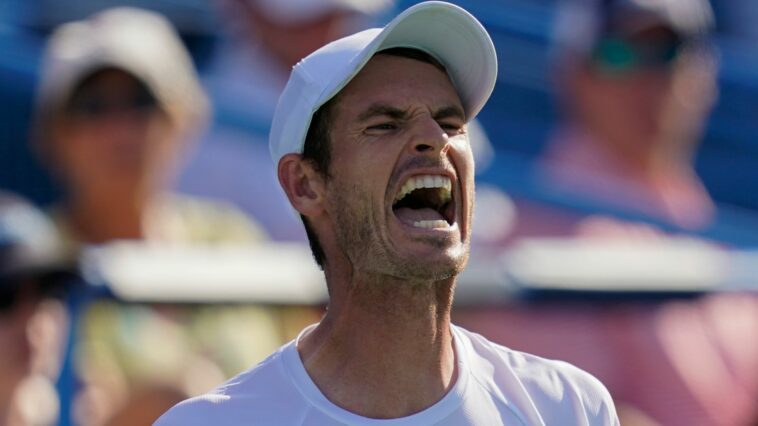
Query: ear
{"type": "Point", "coordinates": [303, 185]}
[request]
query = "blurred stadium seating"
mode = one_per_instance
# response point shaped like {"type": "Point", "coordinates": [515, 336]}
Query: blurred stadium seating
{"type": "Point", "coordinates": [518, 118]}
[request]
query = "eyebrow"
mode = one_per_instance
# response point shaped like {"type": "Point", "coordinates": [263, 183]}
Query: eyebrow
{"type": "Point", "coordinates": [450, 111]}
{"type": "Point", "coordinates": [379, 110]}
{"type": "Point", "coordinates": [384, 110]}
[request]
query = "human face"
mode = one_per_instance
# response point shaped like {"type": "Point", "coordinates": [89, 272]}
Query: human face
{"type": "Point", "coordinates": [112, 133]}
{"type": "Point", "coordinates": [652, 96]}
{"type": "Point", "coordinates": [398, 123]}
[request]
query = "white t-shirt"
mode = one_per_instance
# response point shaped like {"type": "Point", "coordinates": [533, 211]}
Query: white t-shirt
{"type": "Point", "coordinates": [495, 386]}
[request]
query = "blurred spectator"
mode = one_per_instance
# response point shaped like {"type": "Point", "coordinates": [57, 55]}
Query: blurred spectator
{"type": "Point", "coordinates": [636, 83]}
{"type": "Point", "coordinates": [33, 270]}
{"type": "Point", "coordinates": [636, 80]}
{"type": "Point", "coordinates": [636, 90]}
{"type": "Point", "coordinates": [265, 38]}
{"type": "Point", "coordinates": [118, 101]}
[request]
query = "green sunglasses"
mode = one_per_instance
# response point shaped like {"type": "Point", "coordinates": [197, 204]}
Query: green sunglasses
{"type": "Point", "coordinates": [616, 56]}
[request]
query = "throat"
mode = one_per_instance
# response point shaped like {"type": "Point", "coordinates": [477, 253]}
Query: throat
{"type": "Point", "coordinates": [364, 354]}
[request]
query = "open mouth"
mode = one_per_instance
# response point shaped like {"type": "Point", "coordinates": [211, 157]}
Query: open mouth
{"type": "Point", "coordinates": [426, 201]}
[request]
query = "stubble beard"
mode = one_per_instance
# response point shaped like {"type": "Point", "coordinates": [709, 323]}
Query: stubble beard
{"type": "Point", "coordinates": [357, 231]}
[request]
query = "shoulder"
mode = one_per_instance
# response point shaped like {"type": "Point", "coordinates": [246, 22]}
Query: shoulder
{"type": "Point", "coordinates": [556, 389]}
{"type": "Point", "coordinates": [196, 411]}
{"type": "Point", "coordinates": [261, 395]}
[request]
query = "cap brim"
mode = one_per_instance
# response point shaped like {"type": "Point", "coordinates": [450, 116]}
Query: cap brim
{"type": "Point", "coordinates": [452, 36]}
{"type": "Point", "coordinates": [66, 84]}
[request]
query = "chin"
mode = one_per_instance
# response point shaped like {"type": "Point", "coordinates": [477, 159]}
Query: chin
{"type": "Point", "coordinates": [434, 265]}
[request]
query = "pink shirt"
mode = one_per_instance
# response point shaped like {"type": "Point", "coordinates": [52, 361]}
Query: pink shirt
{"type": "Point", "coordinates": [681, 362]}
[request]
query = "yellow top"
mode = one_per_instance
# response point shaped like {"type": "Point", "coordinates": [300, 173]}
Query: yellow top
{"type": "Point", "coordinates": [125, 348]}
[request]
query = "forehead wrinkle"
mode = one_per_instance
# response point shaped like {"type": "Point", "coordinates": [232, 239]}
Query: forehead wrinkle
{"type": "Point", "coordinates": [364, 85]}
{"type": "Point", "coordinates": [386, 110]}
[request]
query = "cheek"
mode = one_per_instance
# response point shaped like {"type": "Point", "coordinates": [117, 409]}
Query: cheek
{"type": "Point", "coordinates": [369, 169]}
{"type": "Point", "coordinates": [463, 159]}
{"type": "Point", "coordinates": [356, 197]}
{"type": "Point", "coordinates": [469, 161]}
{"type": "Point", "coordinates": [610, 107]}
{"type": "Point", "coordinates": [609, 98]}
{"type": "Point", "coordinates": [162, 139]}
{"type": "Point", "coordinates": [640, 95]}
{"type": "Point", "coordinates": [75, 153]}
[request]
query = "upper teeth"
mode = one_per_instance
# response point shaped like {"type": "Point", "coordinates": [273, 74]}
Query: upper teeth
{"type": "Point", "coordinates": [425, 181]}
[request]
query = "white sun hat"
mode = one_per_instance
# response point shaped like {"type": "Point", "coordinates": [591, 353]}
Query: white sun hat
{"type": "Point", "coordinates": [140, 42]}
{"type": "Point", "coordinates": [445, 31]}
{"type": "Point", "coordinates": [299, 11]}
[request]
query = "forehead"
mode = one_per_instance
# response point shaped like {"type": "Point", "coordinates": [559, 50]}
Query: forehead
{"type": "Point", "coordinates": [108, 79]}
{"type": "Point", "coordinates": [399, 81]}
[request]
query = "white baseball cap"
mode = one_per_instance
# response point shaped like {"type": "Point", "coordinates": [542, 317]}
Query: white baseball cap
{"type": "Point", "coordinates": [445, 31]}
{"type": "Point", "coordinates": [139, 42]}
{"type": "Point", "coordinates": [298, 11]}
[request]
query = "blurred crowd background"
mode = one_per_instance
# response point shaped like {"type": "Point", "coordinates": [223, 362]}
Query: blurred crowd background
{"type": "Point", "coordinates": [147, 253]}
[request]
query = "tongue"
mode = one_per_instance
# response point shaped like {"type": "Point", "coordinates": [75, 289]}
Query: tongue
{"type": "Point", "coordinates": [409, 215]}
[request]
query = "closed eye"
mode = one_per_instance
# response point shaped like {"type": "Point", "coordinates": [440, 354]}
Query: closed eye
{"type": "Point", "coordinates": [452, 128]}
{"type": "Point", "coordinates": [382, 127]}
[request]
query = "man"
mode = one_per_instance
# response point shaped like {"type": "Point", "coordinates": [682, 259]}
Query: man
{"type": "Point", "coordinates": [371, 146]}
{"type": "Point", "coordinates": [637, 82]}
{"type": "Point", "coordinates": [33, 272]}
{"type": "Point", "coordinates": [118, 103]}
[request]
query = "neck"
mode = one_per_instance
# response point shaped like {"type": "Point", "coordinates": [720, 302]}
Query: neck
{"type": "Point", "coordinates": [384, 348]}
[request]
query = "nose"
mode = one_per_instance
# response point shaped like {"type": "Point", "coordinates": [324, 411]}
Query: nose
{"type": "Point", "coordinates": [428, 137]}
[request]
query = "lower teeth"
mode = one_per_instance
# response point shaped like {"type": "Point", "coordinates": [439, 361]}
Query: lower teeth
{"type": "Point", "coordinates": [430, 224]}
